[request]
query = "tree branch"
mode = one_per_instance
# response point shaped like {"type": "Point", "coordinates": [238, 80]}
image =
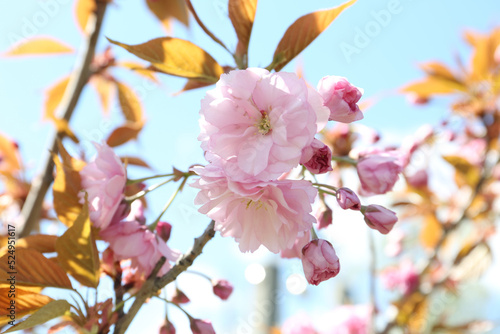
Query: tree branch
{"type": "Point", "coordinates": [153, 283]}
{"type": "Point", "coordinates": [30, 213]}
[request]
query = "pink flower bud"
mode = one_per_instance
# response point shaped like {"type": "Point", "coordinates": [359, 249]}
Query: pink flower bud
{"type": "Point", "coordinates": [163, 230]}
{"type": "Point", "coordinates": [317, 158]}
{"type": "Point", "coordinates": [348, 199]}
{"type": "Point", "coordinates": [179, 297]}
{"type": "Point", "coordinates": [222, 289]}
{"type": "Point", "coordinates": [319, 261]}
{"type": "Point", "coordinates": [379, 218]}
{"type": "Point", "coordinates": [199, 326]}
{"type": "Point", "coordinates": [378, 173]}
{"type": "Point", "coordinates": [167, 328]}
{"type": "Point", "coordinates": [325, 217]}
{"type": "Point", "coordinates": [341, 98]}
{"type": "Point", "coordinates": [404, 278]}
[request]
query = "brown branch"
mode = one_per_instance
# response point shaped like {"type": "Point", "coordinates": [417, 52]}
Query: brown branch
{"type": "Point", "coordinates": [30, 213]}
{"type": "Point", "coordinates": [153, 283]}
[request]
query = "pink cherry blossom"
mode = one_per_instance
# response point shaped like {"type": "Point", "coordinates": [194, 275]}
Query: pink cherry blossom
{"type": "Point", "coordinates": [167, 328]}
{"type": "Point", "coordinates": [379, 218]}
{"type": "Point", "coordinates": [180, 297]}
{"type": "Point", "coordinates": [378, 173]}
{"type": "Point", "coordinates": [131, 240]}
{"type": "Point", "coordinates": [348, 319]}
{"type": "Point", "coordinates": [404, 278]}
{"type": "Point", "coordinates": [222, 288]}
{"type": "Point", "coordinates": [298, 324]}
{"type": "Point", "coordinates": [259, 122]}
{"type": "Point", "coordinates": [104, 181]}
{"type": "Point", "coordinates": [348, 199]}
{"type": "Point", "coordinates": [319, 261]}
{"type": "Point", "coordinates": [419, 179]}
{"type": "Point", "coordinates": [163, 229]}
{"type": "Point", "coordinates": [199, 326]}
{"type": "Point", "coordinates": [296, 250]}
{"type": "Point", "coordinates": [260, 213]}
{"type": "Point", "coordinates": [325, 216]}
{"type": "Point", "coordinates": [317, 158]}
{"type": "Point", "coordinates": [340, 97]}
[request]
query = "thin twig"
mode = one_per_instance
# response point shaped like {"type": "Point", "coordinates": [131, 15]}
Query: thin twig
{"type": "Point", "coordinates": [373, 277]}
{"type": "Point", "coordinates": [154, 284]}
{"type": "Point", "coordinates": [30, 213]}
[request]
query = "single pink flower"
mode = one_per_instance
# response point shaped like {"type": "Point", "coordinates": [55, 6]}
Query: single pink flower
{"type": "Point", "coordinates": [378, 173]}
{"type": "Point", "coordinates": [319, 261]}
{"type": "Point", "coordinates": [167, 328]}
{"type": "Point", "coordinates": [180, 297]}
{"type": "Point", "coordinates": [259, 122]}
{"type": "Point", "coordinates": [348, 199]}
{"type": "Point", "coordinates": [341, 98]}
{"type": "Point", "coordinates": [379, 218]}
{"type": "Point", "coordinates": [296, 250]}
{"type": "Point", "coordinates": [222, 288]}
{"type": "Point", "coordinates": [104, 181]}
{"type": "Point", "coordinates": [163, 230]}
{"type": "Point", "coordinates": [317, 157]}
{"type": "Point", "coordinates": [298, 324]}
{"type": "Point", "coordinates": [199, 326]}
{"type": "Point", "coordinates": [131, 240]}
{"type": "Point", "coordinates": [260, 213]}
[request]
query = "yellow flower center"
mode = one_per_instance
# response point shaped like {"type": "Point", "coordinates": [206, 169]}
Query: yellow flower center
{"type": "Point", "coordinates": [264, 126]}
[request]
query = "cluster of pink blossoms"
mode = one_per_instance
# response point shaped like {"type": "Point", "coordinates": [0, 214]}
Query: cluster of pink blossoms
{"type": "Point", "coordinates": [122, 224]}
{"type": "Point", "coordinates": [257, 126]}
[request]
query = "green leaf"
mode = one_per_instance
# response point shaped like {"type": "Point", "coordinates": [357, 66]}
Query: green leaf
{"type": "Point", "coordinates": [52, 310]}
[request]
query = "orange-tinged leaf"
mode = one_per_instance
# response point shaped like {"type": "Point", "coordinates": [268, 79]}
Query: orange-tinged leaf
{"type": "Point", "coordinates": [52, 310]}
{"type": "Point", "coordinates": [26, 301]}
{"type": "Point", "coordinates": [482, 57]}
{"type": "Point", "coordinates": [165, 10]}
{"type": "Point", "coordinates": [43, 243]}
{"type": "Point", "coordinates": [431, 231]}
{"type": "Point", "coordinates": [34, 269]}
{"type": "Point", "coordinates": [433, 85]}
{"type": "Point", "coordinates": [438, 69]}
{"type": "Point", "coordinates": [140, 70]}
{"type": "Point", "coordinates": [466, 173]}
{"type": "Point", "coordinates": [177, 57]}
{"type": "Point", "coordinates": [242, 15]}
{"type": "Point", "coordinates": [77, 252]}
{"type": "Point", "coordinates": [302, 32]}
{"type": "Point", "coordinates": [63, 129]}
{"type": "Point", "coordinates": [408, 307]}
{"type": "Point", "coordinates": [83, 10]}
{"type": "Point", "coordinates": [53, 97]}
{"type": "Point", "coordinates": [104, 89]}
{"type": "Point", "coordinates": [11, 162]}
{"type": "Point", "coordinates": [193, 84]}
{"type": "Point", "coordinates": [39, 46]}
{"type": "Point", "coordinates": [66, 187]}
{"type": "Point", "coordinates": [135, 161]}
{"type": "Point", "coordinates": [129, 103]}
{"type": "Point", "coordinates": [124, 133]}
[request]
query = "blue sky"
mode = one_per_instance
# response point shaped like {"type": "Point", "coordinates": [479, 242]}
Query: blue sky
{"type": "Point", "coordinates": [383, 55]}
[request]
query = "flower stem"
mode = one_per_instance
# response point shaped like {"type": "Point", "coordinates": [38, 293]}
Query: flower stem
{"type": "Point", "coordinates": [152, 227]}
{"type": "Point", "coordinates": [142, 193]}
{"type": "Point", "coordinates": [313, 234]}
{"type": "Point", "coordinates": [129, 182]}
{"type": "Point", "coordinates": [345, 159]}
